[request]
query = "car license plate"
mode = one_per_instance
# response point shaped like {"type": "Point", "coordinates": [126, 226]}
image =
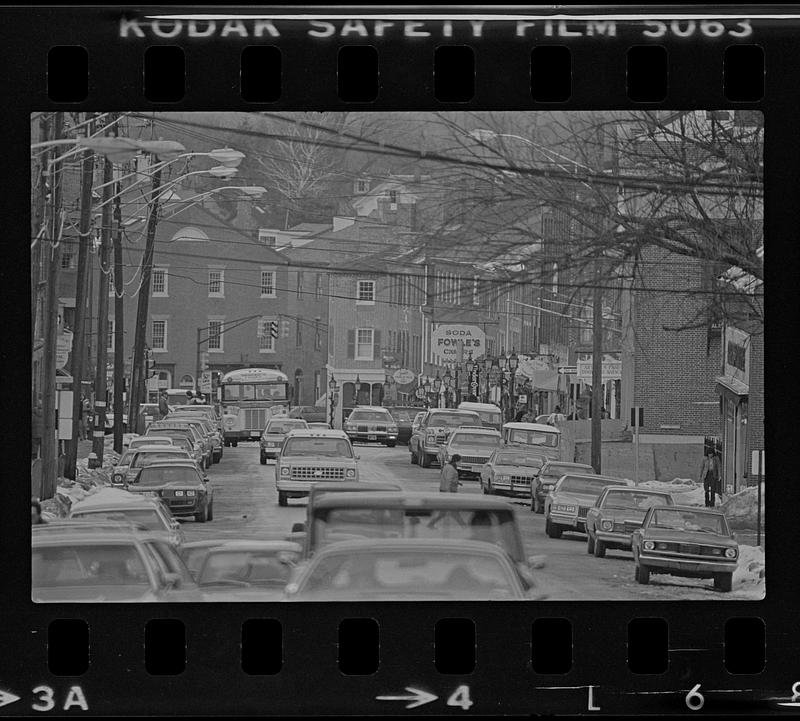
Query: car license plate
{"type": "Point", "coordinates": [372, 438]}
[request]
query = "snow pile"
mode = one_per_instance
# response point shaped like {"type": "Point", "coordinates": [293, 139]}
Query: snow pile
{"type": "Point", "coordinates": [741, 510]}
{"type": "Point", "coordinates": [685, 492]}
{"type": "Point", "coordinates": [750, 568]}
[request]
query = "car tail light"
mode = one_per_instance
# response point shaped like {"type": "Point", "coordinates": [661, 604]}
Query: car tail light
{"type": "Point", "coordinates": [649, 545]}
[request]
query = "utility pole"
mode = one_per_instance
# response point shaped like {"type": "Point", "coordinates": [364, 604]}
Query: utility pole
{"type": "Point", "coordinates": [597, 369]}
{"type": "Point", "coordinates": [119, 338]}
{"type": "Point", "coordinates": [79, 339]}
{"type": "Point", "coordinates": [51, 255]}
{"type": "Point", "coordinates": [99, 434]}
{"type": "Point", "coordinates": [142, 309]}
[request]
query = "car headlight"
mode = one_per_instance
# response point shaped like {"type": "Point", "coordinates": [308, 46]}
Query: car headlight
{"type": "Point", "coordinates": [351, 472]}
{"type": "Point", "coordinates": [430, 439]}
{"type": "Point", "coordinates": [119, 477]}
{"type": "Point", "coordinates": [392, 429]}
{"type": "Point", "coordinates": [284, 471]}
{"type": "Point", "coordinates": [649, 545]}
{"type": "Point", "coordinates": [188, 493]}
{"type": "Point", "coordinates": [607, 525]}
{"type": "Point", "coordinates": [731, 553]}
{"type": "Point", "coordinates": [547, 486]}
{"type": "Point", "coordinates": [229, 421]}
{"type": "Point", "coordinates": [179, 493]}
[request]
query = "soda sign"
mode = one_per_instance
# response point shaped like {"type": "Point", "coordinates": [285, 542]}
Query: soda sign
{"type": "Point", "coordinates": [453, 342]}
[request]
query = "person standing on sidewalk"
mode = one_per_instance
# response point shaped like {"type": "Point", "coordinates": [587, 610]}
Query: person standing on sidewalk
{"type": "Point", "coordinates": [163, 405]}
{"type": "Point", "coordinates": [709, 476]}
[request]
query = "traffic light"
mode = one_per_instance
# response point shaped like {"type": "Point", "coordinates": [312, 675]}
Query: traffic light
{"type": "Point", "coordinates": [284, 329]}
{"type": "Point", "coordinates": [204, 361]}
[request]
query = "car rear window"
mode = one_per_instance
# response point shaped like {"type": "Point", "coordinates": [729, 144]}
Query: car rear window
{"type": "Point", "coordinates": [149, 518]}
{"type": "Point", "coordinates": [520, 459]}
{"type": "Point", "coordinates": [284, 426]}
{"type": "Point", "coordinates": [635, 500]}
{"type": "Point", "coordinates": [454, 420]}
{"type": "Point", "coordinates": [84, 565]}
{"type": "Point", "coordinates": [370, 416]}
{"type": "Point", "coordinates": [339, 524]}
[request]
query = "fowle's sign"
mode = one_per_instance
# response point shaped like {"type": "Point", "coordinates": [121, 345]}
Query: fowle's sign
{"type": "Point", "coordinates": [453, 342]}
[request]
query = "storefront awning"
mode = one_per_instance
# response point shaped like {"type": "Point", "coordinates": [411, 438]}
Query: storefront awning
{"type": "Point", "coordinates": [733, 385]}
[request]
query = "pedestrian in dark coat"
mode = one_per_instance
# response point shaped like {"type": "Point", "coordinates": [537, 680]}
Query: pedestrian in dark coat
{"type": "Point", "coordinates": [710, 476]}
{"type": "Point", "coordinates": [449, 482]}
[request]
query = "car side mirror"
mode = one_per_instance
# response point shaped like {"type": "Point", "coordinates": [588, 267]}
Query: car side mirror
{"type": "Point", "coordinates": [172, 580]}
{"type": "Point", "coordinates": [537, 561]}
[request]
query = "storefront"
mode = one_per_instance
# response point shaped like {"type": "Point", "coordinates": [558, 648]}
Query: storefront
{"type": "Point", "coordinates": [733, 387]}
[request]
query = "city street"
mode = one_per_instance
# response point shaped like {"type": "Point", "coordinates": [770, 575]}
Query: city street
{"type": "Point", "coordinates": [246, 506]}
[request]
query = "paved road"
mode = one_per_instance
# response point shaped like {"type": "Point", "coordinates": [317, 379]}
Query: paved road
{"type": "Point", "coordinates": [246, 506]}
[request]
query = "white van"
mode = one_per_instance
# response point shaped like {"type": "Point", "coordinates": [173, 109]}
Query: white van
{"type": "Point", "coordinates": [491, 416]}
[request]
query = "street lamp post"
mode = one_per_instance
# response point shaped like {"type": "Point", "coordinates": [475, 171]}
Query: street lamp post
{"type": "Point", "coordinates": [358, 390]}
{"type": "Point", "coordinates": [513, 364]}
{"type": "Point", "coordinates": [488, 363]}
{"type": "Point", "coordinates": [333, 397]}
{"type": "Point", "coordinates": [437, 388]}
{"type": "Point", "coordinates": [502, 363]}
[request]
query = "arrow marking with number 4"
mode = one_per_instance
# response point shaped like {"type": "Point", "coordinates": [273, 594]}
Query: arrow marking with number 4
{"type": "Point", "coordinates": [418, 698]}
{"type": "Point", "coordinates": [7, 698]}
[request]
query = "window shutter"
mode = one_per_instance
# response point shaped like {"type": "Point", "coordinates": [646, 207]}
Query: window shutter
{"type": "Point", "coordinates": [376, 344]}
{"type": "Point", "coordinates": [351, 343]}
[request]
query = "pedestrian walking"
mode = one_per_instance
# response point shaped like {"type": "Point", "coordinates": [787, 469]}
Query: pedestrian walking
{"type": "Point", "coordinates": [449, 482]}
{"type": "Point", "coordinates": [521, 413]}
{"type": "Point", "coordinates": [36, 513]}
{"type": "Point", "coordinates": [603, 412]}
{"type": "Point", "coordinates": [556, 417]}
{"type": "Point", "coordinates": [709, 477]}
{"type": "Point", "coordinates": [163, 405]}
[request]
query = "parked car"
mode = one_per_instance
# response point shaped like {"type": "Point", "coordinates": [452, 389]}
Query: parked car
{"type": "Point", "coordinates": [309, 456]}
{"type": "Point", "coordinates": [548, 476]}
{"type": "Point", "coordinates": [195, 552]}
{"type": "Point", "coordinates": [398, 515]}
{"type": "Point", "coordinates": [309, 414]}
{"type": "Point", "coordinates": [474, 445]}
{"type": "Point", "coordinates": [112, 504]}
{"type": "Point", "coordinates": [181, 438]}
{"type": "Point", "coordinates": [133, 460]}
{"type": "Point", "coordinates": [207, 411]}
{"type": "Point", "coordinates": [275, 434]}
{"type": "Point", "coordinates": [371, 424]}
{"type": "Point", "coordinates": [404, 417]}
{"type": "Point", "coordinates": [202, 434]}
{"type": "Point", "coordinates": [510, 471]}
{"type": "Point", "coordinates": [408, 570]}
{"type": "Point", "coordinates": [616, 514]}
{"type": "Point", "coordinates": [434, 429]}
{"type": "Point", "coordinates": [490, 415]}
{"type": "Point", "coordinates": [315, 424]}
{"type": "Point", "coordinates": [685, 541]}
{"type": "Point", "coordinates": [566, 507]}
{"type": "Point", "coordinates": [207, 428]}
{"type": "Point", "coordinates": [140, 441]}
{"type": "Point", "coordinates": [247, 570]}
{"type": "Point", "coordinates": [545, 439]}
{"type": "Point", "coordinates": [86, 564]}
{"type": "Point", "coordinates": [181, 486]}
{"type": "Point", "coordinates": [200, 450]}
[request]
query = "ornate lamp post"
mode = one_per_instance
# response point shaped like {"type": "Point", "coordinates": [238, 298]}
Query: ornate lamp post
{"type": "Point", "coordinates": [502, 362]}
{"type": "Point", "coordinates": [437, 387]}
{"type": "Point", "coordinates": [488, 362]}
{"type": "Point", "coordinates": [449, 384]}
{"type": "Point", "coordinates": [358, 390]}
{"type": "Point", "coordinates": [513, 364]}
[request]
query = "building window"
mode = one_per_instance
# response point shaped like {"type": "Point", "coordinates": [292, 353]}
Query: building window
{"type": "Point", "coordinates": [67, 259]}
{"type": "Point", "coordinates": [298, 337]}
{"type": "Point", "coordinates": [267, 283]}
{"type": "Point", "coordinates": [299, 285]}
{"type": "Point", "coordinates": [317, 336]}
{"type": "Point", "coordinates": [586, 325]}
{"type": "Point", "coordinates": [364, 344]}
{"type": "Point", "coordinates": [159, 282]}
{"type": "Point", "coordinates": [361, 186]}
{"type": "Point", "coordinates": [215, 335]}
{"type": "Point", "coordinates": [158, 339]}
{"type": "Point", "coordinates": [110, 339]}
{"type": "Point", "coordinates": [318, 287]}
{"type": "Point", "coordinates": [267, 239]}
{"type": "Point", "coordinates": [366, 292]}
{"type": "Point", "coordinates": [392, 196]}
{"type": "Point", "coordinates": [216, 283]}
{"type": "Point", "coordinates": [555, 277]}
{"type": "Point", "coordinates": [266, 343]}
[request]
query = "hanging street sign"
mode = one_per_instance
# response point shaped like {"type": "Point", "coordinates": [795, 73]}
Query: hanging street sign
{"type": "Point", "coordinates": [404, 376]}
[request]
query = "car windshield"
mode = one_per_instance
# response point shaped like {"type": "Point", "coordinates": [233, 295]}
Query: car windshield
{"type": "Point", "coordinates": [333, 447]}
{"type": "Point", "coordinates": [284, 426]}
{"type": "Point", "coordinates": [481, 440]}
{"type": "Point", "coordinates": [165, 474]}
{"type": "Point", "coordinates": [556, 470]}
{"type": "Point", "coordinates": [126, 458]}
{"type": "Point", "coordinates": [453, 420]}
{"type": "Point", "coordinates": [254, 568]}
{"type": "Point", "coordinates": [694, 521]}
{"type": "Point", "coordinates": [401, 414]}
{"type": "Point", "coordinates": [519, 459]}
{"type": "Point", "coordinates": [492, 417]}
{"type": "Point", "coordinates": [149, 441]}
{"type": "Point", "coordinates": [339, 524]}
{"type": "Point", "coordinates": [147, 517]}
{"type": "Point", "coordinates": [170, 433]}
{"type": "Point", "coordinates": [410, 572]}
{"type": "Point", "coordinates": [533, 438]}
{"type": "Point", "coordinates": [585, 485]}
{"type": "Point", "coordinates": [381, 416]}
{"type": "Point", "coordinates": [96, 565]}
{"type": "Point", "coordinates": [635, 500]}
{"type": "Point", "coordinates": [146, 458]}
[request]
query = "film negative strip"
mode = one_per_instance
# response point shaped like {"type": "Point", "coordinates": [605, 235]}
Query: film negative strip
{"type": "Point", "coordinates": [521, 248]}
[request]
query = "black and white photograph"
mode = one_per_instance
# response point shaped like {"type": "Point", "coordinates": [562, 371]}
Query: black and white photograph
{"type": "Point", "coordinates": [397, 356]}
